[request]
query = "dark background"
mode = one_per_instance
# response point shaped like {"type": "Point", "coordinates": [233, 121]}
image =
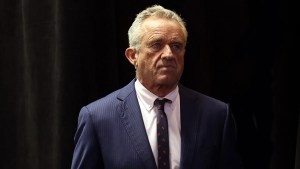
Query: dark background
{"type": "Point", "coordinates": [58, 55]}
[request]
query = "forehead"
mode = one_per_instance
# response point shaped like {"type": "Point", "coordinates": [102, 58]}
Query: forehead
{"type": "Point", "coordinates": [157, 25]}
{"type": "Point", "coordinates": [159, 22]}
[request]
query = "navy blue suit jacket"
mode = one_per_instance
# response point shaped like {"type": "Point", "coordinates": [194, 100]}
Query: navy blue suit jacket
{"type": "Point", "coordinates": [111, 133]}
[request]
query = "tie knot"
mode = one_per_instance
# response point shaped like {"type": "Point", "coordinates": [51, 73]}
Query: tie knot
{"type": "Point", "coordinates": [160, 103]}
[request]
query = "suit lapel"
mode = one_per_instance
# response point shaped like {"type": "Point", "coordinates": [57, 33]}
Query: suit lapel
{"type": "Point", "coordinates": [189, 127]}
{"type": "Point", "coordinates": [133, 122]}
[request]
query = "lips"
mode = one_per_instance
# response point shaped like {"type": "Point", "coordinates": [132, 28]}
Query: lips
{"type": "Point", "coordinates": [167, 66]}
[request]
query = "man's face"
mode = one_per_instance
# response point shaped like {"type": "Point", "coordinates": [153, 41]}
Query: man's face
{"type": "Point", "coordinates": [160, 60]}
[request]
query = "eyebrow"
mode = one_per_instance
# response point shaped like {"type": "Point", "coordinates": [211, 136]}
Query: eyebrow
{"type": "Point", "coordinates": [155, 39]}
{"type": "Point", "coordinates": [158, 39]}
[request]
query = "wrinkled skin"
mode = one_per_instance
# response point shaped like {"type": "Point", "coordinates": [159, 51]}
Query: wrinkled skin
{"type": "Point", "coordinates": [160, 60]}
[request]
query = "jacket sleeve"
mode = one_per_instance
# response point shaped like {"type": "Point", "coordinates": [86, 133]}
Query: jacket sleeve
{"type": "Point", "coordinates": [87, 150]}
{"type": "Point", "coordinates": [229, 157]}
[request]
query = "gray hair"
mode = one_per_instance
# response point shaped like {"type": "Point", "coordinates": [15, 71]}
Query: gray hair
{"type": "Point", "coordinates": [135, 32]}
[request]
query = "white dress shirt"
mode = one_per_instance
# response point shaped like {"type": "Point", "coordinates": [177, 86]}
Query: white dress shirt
{"type": "Point", "coordinates": [172, 109]}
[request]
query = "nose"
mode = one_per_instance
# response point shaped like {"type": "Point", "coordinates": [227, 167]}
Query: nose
{"type": "Point", "coordinates": [167, 52]}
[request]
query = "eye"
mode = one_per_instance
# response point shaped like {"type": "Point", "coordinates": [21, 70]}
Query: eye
{"type": "Point", "coordinates": [176, 46]}
{"type": "Point", "coordinates": [156, 46]}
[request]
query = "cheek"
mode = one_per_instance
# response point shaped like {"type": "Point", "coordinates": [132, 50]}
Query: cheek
{"type": "Point", "coordinates": [180, 61]}
{"type": "Point", "coordinates": [150, 62]}
{"type": "Point", "coordinates": [145, 65]}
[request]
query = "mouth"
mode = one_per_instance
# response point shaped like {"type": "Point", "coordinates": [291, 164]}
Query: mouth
{"type": "Point", "coordinates": [169, 66]}
{"type": "Point", "coordinates": [167, 69]}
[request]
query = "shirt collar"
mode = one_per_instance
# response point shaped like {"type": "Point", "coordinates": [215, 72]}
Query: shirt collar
{"type": "Point", "coordinates": [147, 98]}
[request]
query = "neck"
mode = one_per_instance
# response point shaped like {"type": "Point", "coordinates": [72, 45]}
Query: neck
{"type": "Point", "coordinates": [160, 90]}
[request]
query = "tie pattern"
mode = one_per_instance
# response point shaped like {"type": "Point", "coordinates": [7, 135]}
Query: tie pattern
{"type": "Point", "coordinates": [162, 135]}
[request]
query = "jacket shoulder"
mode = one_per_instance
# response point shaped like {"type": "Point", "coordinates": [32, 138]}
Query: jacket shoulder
{"type": "Point", "coordinates": [112, 100]}
{"type": "Point", "coordinates": [195, 96]}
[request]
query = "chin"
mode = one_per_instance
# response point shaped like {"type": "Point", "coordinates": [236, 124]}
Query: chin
{"type": "Point", "coordinates": [167, 81]}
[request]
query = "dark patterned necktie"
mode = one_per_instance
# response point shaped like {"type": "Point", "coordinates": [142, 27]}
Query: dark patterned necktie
{"type": "Point", "coordinates": [162, 135]}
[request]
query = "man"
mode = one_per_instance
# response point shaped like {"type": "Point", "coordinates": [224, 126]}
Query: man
{"type": "Point", "coordinates": [123, 130]}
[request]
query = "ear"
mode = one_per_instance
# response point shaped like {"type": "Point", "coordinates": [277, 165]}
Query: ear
{"type": "Point", "coordinates": [131, 56]}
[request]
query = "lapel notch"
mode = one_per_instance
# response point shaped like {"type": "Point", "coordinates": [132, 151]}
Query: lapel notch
{"type": "Point", "coordinates": [133, 122]}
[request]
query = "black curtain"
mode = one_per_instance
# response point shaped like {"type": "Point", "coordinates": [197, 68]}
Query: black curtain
{"type": "Point", "coordinates": [57, 56]}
